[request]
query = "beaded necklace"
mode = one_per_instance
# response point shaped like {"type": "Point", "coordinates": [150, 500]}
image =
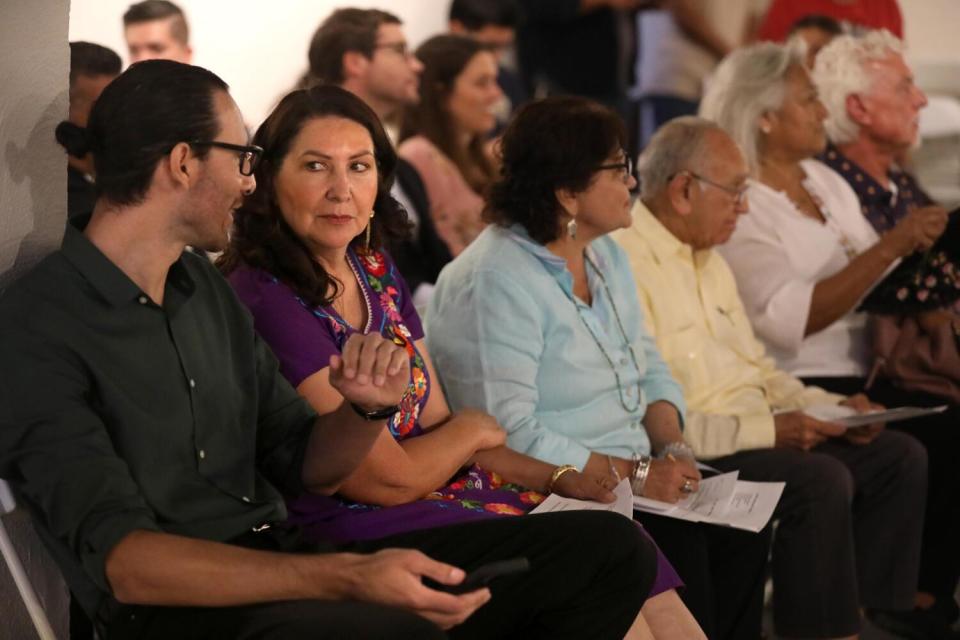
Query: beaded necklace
{"type": "Point", "coordinates": [623, 334]}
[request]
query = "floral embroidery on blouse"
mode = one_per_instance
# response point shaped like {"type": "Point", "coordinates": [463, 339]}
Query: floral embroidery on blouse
{"type": "Point", "coordinates": [478, 479]}
{"type": "Point", "coordinates": [473, 489]}
{"type": "Point", "coordinates": [381, 278]}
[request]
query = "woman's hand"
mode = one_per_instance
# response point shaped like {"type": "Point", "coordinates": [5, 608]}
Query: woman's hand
{"type": "Point", "coordinates": [585, 486]}
{"type": "Point", "coordinates": [372, 372]}
{"type": "Point", "coordinates": [668, 479]}
{"type": "Point", "coordinates": [918, 230]}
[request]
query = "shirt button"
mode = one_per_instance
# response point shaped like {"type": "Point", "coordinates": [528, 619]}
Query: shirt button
{"type": "Point", "coordinates": [202, 454]}
{"type": "Point", "coordinates": [193, 383]}
{"type": "Point", "coordinates": [629, 393]}
{"type": "Point", "coordinates": [142, 300]}
{"type": "Point", "coordinates": [623, 361]}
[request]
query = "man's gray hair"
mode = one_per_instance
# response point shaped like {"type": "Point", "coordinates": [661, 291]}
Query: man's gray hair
{"type": "Point", "coordinates": [841, 70]}
{"type": "Point", "coordinates": [749, 83]}
{"type": "Point", "coordinates": [675, 147]}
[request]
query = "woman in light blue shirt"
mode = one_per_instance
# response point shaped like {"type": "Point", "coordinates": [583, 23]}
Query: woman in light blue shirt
{"type": "Point", "coordinates": [537, 323]}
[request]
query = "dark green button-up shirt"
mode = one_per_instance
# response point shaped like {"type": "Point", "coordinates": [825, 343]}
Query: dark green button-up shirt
{"type": "Point", "coordinates": [117, 414]}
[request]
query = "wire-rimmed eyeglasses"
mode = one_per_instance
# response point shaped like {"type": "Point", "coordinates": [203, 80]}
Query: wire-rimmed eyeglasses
{"type": "Point", "coordinates": [739, 193]}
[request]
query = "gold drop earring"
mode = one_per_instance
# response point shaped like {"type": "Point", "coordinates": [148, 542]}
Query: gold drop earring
{"type": "Point", "coordinates": [369, 224]}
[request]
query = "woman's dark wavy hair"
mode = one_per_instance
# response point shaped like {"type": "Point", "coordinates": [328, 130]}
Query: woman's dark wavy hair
{"type": "Point", "coordinates": [444, 57]}
{"type": "Point", "coordinates": [138, 119]}
{"type": "Point", "coordinates": [554, 143]}
{"type": "Point", "coordinates": [262, 238]}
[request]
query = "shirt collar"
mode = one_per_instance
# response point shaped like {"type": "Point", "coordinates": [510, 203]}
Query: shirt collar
{"type": "Point", "coordinates": [664, 245]}
{"type": "Point", "coordinates": [106, 277]}
{"type": "Point", "coordinates": [552, 261]}
{"type": "Point", "coordinates": [554, 264]}
{"type": "Point", "coordinates": [868, 190]}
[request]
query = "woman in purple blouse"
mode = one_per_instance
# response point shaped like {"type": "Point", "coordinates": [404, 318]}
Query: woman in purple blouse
{"type": "Point", "coordinates": [306, 256]}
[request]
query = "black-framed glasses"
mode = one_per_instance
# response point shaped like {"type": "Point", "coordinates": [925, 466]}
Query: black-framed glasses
{"type": "Point", "coordinates": [625, 168]}
{"type": "Point", "coordinates": [249, 153]}
{"type": "Point", "coordinates": [402, 49]}
{"type": "Point", "coordinates": [739, 193]}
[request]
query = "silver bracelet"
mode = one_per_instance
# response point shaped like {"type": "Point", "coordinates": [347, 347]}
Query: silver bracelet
{"type": "Point", "coordinates": [641, 469]}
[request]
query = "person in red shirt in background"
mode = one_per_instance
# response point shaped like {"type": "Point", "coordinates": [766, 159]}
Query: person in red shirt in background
{"type": "Point", "coordinates": [857, 14]}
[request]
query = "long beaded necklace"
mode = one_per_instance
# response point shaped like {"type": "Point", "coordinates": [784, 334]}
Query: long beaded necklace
{"type": "Point", "coordinates": [623, 334]}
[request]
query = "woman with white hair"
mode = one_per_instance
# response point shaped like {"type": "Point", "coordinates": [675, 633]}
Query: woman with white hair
{"type": "Point", "coordinates": [805, 257]}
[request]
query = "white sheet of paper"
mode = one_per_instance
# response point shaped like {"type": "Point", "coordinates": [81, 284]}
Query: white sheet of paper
{"type": "Point", "coordinates": [715, 491]}
{"type": "Point", "coordinates": [714, 495]}
{"type": "Point", "coordinates": [848, 417]}
{"type": "Point", "coordinates": [622, 505]}
{"type": "Point", "coordinates": [750, 505]}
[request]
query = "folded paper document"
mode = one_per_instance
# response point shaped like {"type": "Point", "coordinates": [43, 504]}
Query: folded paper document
{"type": "Point", "coordinates": [621, 505]}
{"type": "Point", "coordinates": [722, 500]}
{"type": "Point", "coordinates": [848, 416]}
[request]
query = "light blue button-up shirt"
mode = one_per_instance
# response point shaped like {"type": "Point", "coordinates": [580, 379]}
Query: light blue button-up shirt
{"type": "Point", "coordinates": [508, 336]}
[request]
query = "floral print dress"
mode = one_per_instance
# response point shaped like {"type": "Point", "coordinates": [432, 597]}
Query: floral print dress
{"type": "Point", "coordinates": [304, 337]}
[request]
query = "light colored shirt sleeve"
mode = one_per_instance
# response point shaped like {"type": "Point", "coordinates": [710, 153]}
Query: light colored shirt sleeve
{"type": "Point", "coordinates": [776, 298]}
{"type": "Point", "coordinates": [787, 393]}
{"type": "Point", "coordinates": [734, 387]}
{"type": "Point", "coordinates": [784, 391]}
{"type": "Point", "coordinates": [658, 383]}
{"type": "Point", "coordinates": [712, 435]}
{"type": "Point", "coordinates": [508, 348]}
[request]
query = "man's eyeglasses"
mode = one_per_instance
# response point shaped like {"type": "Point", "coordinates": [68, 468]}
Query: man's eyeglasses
{"type": "Point", "coordinates": [625, 168]}
{"type": "Point", "coordinates": [739, 193]}
{"type": "Point", "coordinates": [402, 49]}
{"type": "Point", "coordinates": [249, 153]}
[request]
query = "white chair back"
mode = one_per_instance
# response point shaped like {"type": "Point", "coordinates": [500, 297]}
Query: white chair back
{"type": "Point", "coordinates": [7, 503]}
{"type": "Point", "coordinates": [37, 615]}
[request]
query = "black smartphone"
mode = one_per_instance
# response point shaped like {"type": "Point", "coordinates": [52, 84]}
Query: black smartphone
{"type": "Point", "coordinates": [481, 576]}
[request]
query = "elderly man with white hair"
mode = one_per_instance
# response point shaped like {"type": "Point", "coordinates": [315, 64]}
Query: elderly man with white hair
{"type": "Point", "coordinates": [873, 113]}
{"type": "Point", "coordinates": [746, 414]}
{"type": "Point", "coordinates": [873, 109]}
{"type": "Point", "coordinates": [805, 257]}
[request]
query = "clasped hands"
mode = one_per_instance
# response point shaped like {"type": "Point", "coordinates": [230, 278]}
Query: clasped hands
{"type": "Point", "coordinates": [371, 372]}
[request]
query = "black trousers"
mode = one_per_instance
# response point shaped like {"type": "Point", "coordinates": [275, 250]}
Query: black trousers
{"type": "Point", "coordinates": [590, 574]}
{"type": "Point", "coordinates": [848, 534]}
{"type": "Point", "coordinates": [940, 434]}
{"type": "Point", "coordinates": [723, 569]}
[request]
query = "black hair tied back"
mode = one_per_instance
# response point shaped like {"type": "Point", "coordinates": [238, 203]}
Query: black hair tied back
{"type": "Point", "coordinates": [77, 140]}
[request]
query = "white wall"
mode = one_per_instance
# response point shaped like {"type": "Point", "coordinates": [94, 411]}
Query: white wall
{"type": "Point", "coordinates": [259, 47]}
{"type": "Point", "coordinates": [34, 64]}
{"type": "Point", "coordinates": [34, 67]}
{"type": "Point", "coordinates": [930, 30]}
